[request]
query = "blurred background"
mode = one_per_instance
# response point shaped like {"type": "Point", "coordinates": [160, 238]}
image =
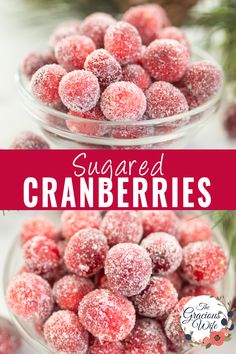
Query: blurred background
{"type": "Point", "coordinates": [25, 25]}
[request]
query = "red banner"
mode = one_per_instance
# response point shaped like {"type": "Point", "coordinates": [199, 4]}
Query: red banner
{"type": "Point", "coordinates": [107, 179]}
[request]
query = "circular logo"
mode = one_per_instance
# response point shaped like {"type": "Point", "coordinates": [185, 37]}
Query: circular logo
{"type": "Point", "coordinates": [201, 316]}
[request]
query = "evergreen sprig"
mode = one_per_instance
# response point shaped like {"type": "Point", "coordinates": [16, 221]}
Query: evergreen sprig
{"type": "Point", "coordinates": [222, 18]}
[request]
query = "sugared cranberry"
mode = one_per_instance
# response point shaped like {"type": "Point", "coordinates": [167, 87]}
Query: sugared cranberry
{"type": "Point", "coordinates": [176, 280]}
{"type": "Point", "coordinates": [204, 263]}
{"type": "Point", "coordinates": [10, 341]}
{"type": "Point", "coordinates": [32, 62]}
{"type": "Point", "coordinates": [173, 329]}
{"type": "Point", "coordinates": [147, 337]}
{"type": "Point", "coordinates": [70, 290]}
{"type": "Point", "coordinates": [136, 74]}
{"type": "Point", "coordinates": [165, 252]}
{"type": "Point", "coordinates": [66, 29]}
{"type": "Point", "coordinates": [106, 348]}
{"type": "Point", "coordinates": [86, 252]}
{"type": "Point", "coordinates": [37, 225]}
{"type": "Point", "coordinates": [41, 255]}
{"type": "Point", "coordinates": [230, 120]}
{"type": "Point", "coordinates": [192, 229]}
{"type": "Point", "coordinates": [175, 33]}
{"type": "Point", "coordinates": [79, 91]}
{"type": "Point", "coordinates": [30, 297]}
{"type": "Point", "coordinates": [104, 66]}
{"type": "Point", "coordinates": [130, 106]}
{"type": "Point", "coordinates": [76, 220]}
{"type": "Point", "coordinates": [194, 290]}
{"type": "Point", "coordinates": [148, 19]}
{"type": "Point", "coordinates": [64, 333]}
{"type": "Point", "coordinates": [107, 316]}
{"type": "Point", "coordinates": [132, 132]}
{"type": "Point", "coordinates": [121, 226]}
{"type": "Point", "coordinates": [157, 300]}
{"type": "Point", "coordinates": [45, 83]}
{"type": "Point", "coordinates": [72, 51]}
{"type": "Point", "coordinates": [29, 141]}
{"type": "Point", "coordinates": [128, 268]}
{"type": "Point", "coordinates": [203, 79]}
{"type": "Point", "coordinates": [123, 41]}
{"type": "Point", "coordinates": [88, 128]}
{"type": "Point", "coordinates": [165, 100]}
{"type": "Point", "coordinates": [159, 221]}
{"type": "Point", "coordinates": [166, 60]}
{"type": "Point", "coordinates": [95, 26]}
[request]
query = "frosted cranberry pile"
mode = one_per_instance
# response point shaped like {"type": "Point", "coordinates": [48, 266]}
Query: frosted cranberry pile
{"type": "Point", "coordinates": [129, 70]}
{"type": "Point", "coordinates": [114, 282]}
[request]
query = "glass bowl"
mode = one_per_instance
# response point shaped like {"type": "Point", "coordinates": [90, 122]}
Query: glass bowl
{"type": "Point", "coordinates": [14, 263]}
{"type": "Point", "coordinates": [160, 133]}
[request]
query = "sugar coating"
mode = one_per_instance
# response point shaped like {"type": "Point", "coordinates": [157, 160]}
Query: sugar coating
{"type": "Point", "coordinates": [32, 62]}
{"type": "Point", "coordinates": [95, 26]}
{"type": "Point", "coordinates": [203, 79]}
{"type": "Point", "coordinates": [194, 290]}
{"type": "Point", "coordinates": [128, 268]}
{"type": "Point", "coordinates": [204, 263]}
{"type": "Point", "coordinates": [137, 74]}
{"type": "Point", "coordinates": [70, 290]}
{"type": "Point", "coordinates": [193, 229]}
{"type": "Point", "coordinates": [45, 83]}
{"type": "Point", "coordinates": [104, 66]}
{"type": "Point", "coordinates": [30, 297]}
{"type": "Point", "coordinates": [72, 51]}
{"type": "Point", "coordinates": [193, 101]}
{"type": "Point", "coordinates": [65, 29]}
{"type": "Point", "coordinates": [148, 19]}
{"type": "Point", "coordinates": [173, 329]}
{"type": "Point", "coordinates": [79, 90]}
{"type": "Point", "coordinates": [166, 60]}
{"type": "Point", "coordinates": [76, 220]}
{"type": "Point", "coordinates": [123, 41]}
{"type": "Point", "coordinates": [123, 101]}
{"type": "Point", "coordinates": [10, 341]}
{"type": "Point", "coordinates": [35, 226]}
{"type": "Point", "coordinates": [64, 333]}
{"type": "Point", "coordinates": [157, 300]}
{"type": "Point", "coordinates": [88, 128]}
{"type": "Point", "coordinates": [122, 226]}
{"type": "Point", "coordinates": [147, 337]}
{"type": "Point", "coordinates": [41, 255]}
{"type": "Point", "coordinates": [107, 316]}
{"type": "Point", "coordinates": [132, 132]}
{"type": "Point", "coordinates": [29, 141]}
{"type": "Point", "coordinates": [159, 221]}
{"type": "Point", "coordinates": [106, 348]}
{"type": "Point", "coordinates": [175, 33]}
{"type": "Point", "coordinates": [86, 252]}
{"type": "Point", "coordinates": [165, 252]}
{"type": "Point", "coordinates": [165, 100]}
{"type": "Point", "coordinates": [176, 280]}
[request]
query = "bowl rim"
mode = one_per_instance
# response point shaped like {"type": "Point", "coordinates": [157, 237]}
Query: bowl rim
{"type": "Point", "coordinates": [24, 91]}
{"type": "Point", "coordinates": [218, 237]}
